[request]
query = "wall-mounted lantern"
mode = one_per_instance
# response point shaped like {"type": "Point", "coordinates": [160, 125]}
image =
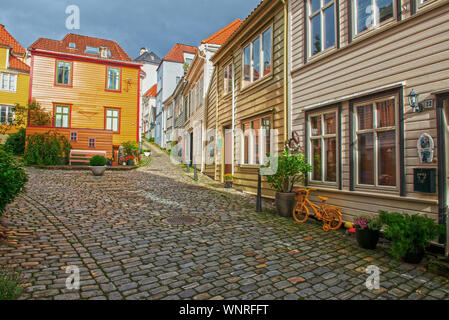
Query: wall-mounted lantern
{"type": "Point", "coordinates": [414, 101]}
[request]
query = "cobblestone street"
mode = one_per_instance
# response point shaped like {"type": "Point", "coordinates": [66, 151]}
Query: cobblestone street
{"type": "Point", "coordinates": [154, 233]}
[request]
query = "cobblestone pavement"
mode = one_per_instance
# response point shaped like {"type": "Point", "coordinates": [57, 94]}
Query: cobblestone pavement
{"type": "Point", "coordinates": [118, 229]}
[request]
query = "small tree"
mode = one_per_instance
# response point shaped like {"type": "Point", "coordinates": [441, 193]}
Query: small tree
{"type": "Point", "coordinates": [15, 142]}
{"type": "Point", "coordinates": [130, 148]}
{"type": "Point", "coordinates": [49, 148]}
{"type": "Point", "coordinates": [33, 114]}
{"type": "Point", "coordinates": [291, 169]}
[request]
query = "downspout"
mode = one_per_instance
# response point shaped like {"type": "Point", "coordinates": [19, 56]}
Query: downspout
{"type": "Point", "coordinates": [233, 117]}
{"type": "Point", "coordinates": [285, 3]}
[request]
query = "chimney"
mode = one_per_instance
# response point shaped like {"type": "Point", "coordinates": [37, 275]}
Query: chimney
{"type": "Point", "coordinates": [143, 50]}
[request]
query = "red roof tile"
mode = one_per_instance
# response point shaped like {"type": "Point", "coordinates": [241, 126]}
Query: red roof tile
{"type": "Point", "coordinates": [7, 39]}
{"type": "Point", "coordinates": [152, 92]}
{"type": "Point", "coordinates": [15, 63]}
{"type": "Point", "coordinates": [177, 52]}
{"type": "Point", "coordinates": [81, 42]}
{"type": "Point", "coordinates": [221, 36]}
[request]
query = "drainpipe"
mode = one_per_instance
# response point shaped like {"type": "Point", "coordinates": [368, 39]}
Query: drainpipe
{"type": "Point", "coordinates": [285, 3]}
{"type": "Point", "coordinates": [233, 118]}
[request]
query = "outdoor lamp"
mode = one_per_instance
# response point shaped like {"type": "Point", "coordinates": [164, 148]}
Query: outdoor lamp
{"type": "Point", "coordinates": [414, 102]}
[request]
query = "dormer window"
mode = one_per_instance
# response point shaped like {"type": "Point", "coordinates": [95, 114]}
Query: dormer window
{"type": "Point", "coordinates": [72, 45]}
{"type": "Point", "coordinates": [92, 50]}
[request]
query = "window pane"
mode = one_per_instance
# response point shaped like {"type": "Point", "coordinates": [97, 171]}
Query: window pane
{"type": "Point", "coordinates": [316, 125]}
{"type": "Point", "coordinates": [316, 154]}
{"type": "Point", "coordinates": [267, 52]}
{"type": "Point", "coordinates": [58, 121]}
{"type": "Point", "coordinates": [65, 121]}
{"type": "Point", "coordinates": [67, 73]}
{"type": "Point", "coordinates": [246, 65]}
{"type": "Point", "coordinates": [385, 9]}
{"type": "Point", "coordinates": [387, 158]}
{"type": "Point", "coordinates": [365, 116]}
{"type": "Point", "coordinates": [115, 125]}
{"type": "Point", "coordinates": [316, 34]}
{"type": "Point", "coordinates": [109, 124]}
{"type": "Point", "coordinates": [60, 78]}
{"type": "Point", "coordinates": [230, 78]}
{"type": "Point", "coordinates": [108, 113]}
{"type": "Point", "coordinates": [256, 127]}
{"type": "Point", "coordinates": [267, 127]}
{"type": "Point", "coordinates": [3, 114]}
{"type": "Point", "coordinates": [315, 5]}
{"type": "Point", "coordinates": [364, 15]}
{"type": "Point", "coordinates": [366, 158]}
{"type": "Point", "coordinates": [256, 59]}
{"type": "Point", "coordinates": [329, 26]}
{"type": "Point", "coordinates": [246, 128]}
{"type": "Point", "coordinates": [330, 123]}
{"type": "Point", "coordinates": [331, 159]}
{"type": "Point", "coordinates": [385, 114]}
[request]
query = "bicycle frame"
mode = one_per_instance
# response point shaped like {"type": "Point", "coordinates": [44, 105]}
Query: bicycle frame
{"type": "Point", "coordinates": [316, 209]}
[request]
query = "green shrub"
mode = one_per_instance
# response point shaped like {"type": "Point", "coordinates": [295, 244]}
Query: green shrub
{"type": "Point", "coordinates": [48, 149]}
{"type": "Point", "coordinates": [15, 142]}
{"type": "Point", "coordinates": [10, 288]}
{"type": "Point", "coordinates": [409, 233]}
{"type": "Point", "coordinates": [12, 179]}
{"type": "Point", "coordinates": [97, 161]}
{"type": "Point", "coordinates": [130, 147]}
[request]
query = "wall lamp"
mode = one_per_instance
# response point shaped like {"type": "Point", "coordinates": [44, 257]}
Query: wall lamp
{"type": "Point", "coordinates": [414, 101]}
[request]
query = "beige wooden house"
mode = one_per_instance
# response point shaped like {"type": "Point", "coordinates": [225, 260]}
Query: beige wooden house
{"type": "Point", "coordinates": [353, 68]}
{"type": "Point", "coordinates": [245, 100]}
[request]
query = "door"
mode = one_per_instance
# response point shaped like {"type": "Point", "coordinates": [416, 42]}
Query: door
{"type": "Point", "coordinates": [228, 151]}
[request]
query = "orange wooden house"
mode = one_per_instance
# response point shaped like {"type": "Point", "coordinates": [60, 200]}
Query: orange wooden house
{"type": "Point", "coordinates": [91, 87]}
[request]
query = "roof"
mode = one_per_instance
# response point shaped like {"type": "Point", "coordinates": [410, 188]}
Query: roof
{"type": "Point", "coordinates": [81, 42]}
{"type": "Point", "coordinates": [152, 92]}
{"type": "Point", "coordinates": [149, 57]}
{"type": "Point", "coordinates": [15, 63]}
{"type": "Point", "coordinates": [221, 36]}
{"type": "Point", "coordinates": [7, 39]}
{"type": "Point", "coordinates": [177, 52]}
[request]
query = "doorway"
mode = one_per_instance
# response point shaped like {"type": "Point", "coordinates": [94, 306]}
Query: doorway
{"type": "Point", "coordinates": [228, 151]}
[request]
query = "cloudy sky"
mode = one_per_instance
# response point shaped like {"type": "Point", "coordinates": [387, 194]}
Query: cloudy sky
{"type": "Point", "coordinates": [155, 24]}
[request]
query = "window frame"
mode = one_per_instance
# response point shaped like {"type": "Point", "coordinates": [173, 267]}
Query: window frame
{"type": "Point", "coordinates": [106, 118]}
{"type": "Point", "coordinates": [107, 79]}
{"type": "Point", "coordinates": [63, 105]}
{"type": "Point", "coordinates": [249, 44]}
{"type": "Point", "coordinates": [8, 112]}
{"type": "Point", "coordinates": [309, 15]}
{"type": "Point", "coordinates": [253, 157]}
{"type": "Point", "coordinates": [226, 89]}
{"type": "Point", "coordinates": [375, 130]}
{"type": "Point", "coordinates": [70, 84]}
{"type": "Point", "coordinates": [94, 144]}
{"type": "Point", "coordinates": [9, 74]}
{"type": "Point", "coordinates": [76, 136]}
{"type": "Point", "coordinates": [375, 25]}
{"type": "Point", "coordinates": [322, 137]}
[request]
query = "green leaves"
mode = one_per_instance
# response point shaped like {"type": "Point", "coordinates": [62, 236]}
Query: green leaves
{"type": "Point", "coordinates": [97, 161]}
{"type": "Point", "coordinates": [130, 147]}
{"type": "Point", "coordinates": [47, 149]}
{"type": "Point", "coordinates": [12, 179]}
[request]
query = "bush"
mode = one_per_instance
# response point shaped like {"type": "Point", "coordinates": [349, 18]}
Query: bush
{"type": "Point", "coordinates": [10, 288]}
{"type": "Point", "coordinates": [48, 149]}
{"type": "Point", "coordinates": [130, 147]}
{"type": "Point", "coordinates": [409, 234]}
{"type": "Point", "coordinates": [12, 179]}
{"type": "Point", "coordinates": [15, 142]}
{"type": "Point", "coordinates": [97, 161]}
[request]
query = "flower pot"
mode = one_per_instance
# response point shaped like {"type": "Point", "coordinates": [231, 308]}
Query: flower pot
{"type": "Point", "coordinates": [367, 238]}
{"type": "Point", "coordinates": [414, 257]}
{"type": "Point", "coordinates": [228, 184]}
{"type": "Point", "coordinates": [109, 163]}
{"type": "Point", "coordinates": [98, 170]}
{"type": "Point", "coordinates": [130, 162]}
{"type": "Point", "coordinates": [285, 202]}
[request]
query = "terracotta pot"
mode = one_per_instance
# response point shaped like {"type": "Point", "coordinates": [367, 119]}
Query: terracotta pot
{"type": "Point", "coordinates": [98, 170]}
{"type": "Point", "coordinates": [285, 202]}
{"type": "Point", "coordinates": [367, 238]}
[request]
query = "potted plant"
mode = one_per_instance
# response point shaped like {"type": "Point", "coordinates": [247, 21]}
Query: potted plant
{"type": "Point", "coordinates": [367, 231]}
{"type": "Point", "coordinates": [130, 160]}
{"type": "Point", "coordinates": [97, 165]}
{"type": "Point", "coordinates": [291, 169]}
{"type": "Point", "coordinates": [123, 161]}
{"type": "Point", "coordinates": [228, 180]}
{"type": "Point", "coordinates": [410, 234]}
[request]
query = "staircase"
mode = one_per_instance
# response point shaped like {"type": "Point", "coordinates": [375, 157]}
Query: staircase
{"type": "Point", "coordinates": [82, 157]}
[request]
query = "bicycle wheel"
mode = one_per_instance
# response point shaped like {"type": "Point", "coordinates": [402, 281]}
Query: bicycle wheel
{"type": "Point", "coordinates": [300, 213]}
{"type": "Point", "coordinates": [332, 218]}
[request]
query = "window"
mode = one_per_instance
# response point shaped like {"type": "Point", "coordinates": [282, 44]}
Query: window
{"type": "Point", "coordinates": [323, 146]}
{"type": "Point", "coordinates": [376, 143]}
{"type": "Point", "coordinates": [6, 115]}
{"type": "Point", "coordinates": [73, 136]}
{"type": "Point", "coordinates": [72, 45]}
{"type": "Point", "coordinates": [92, 50]}
{"type": "Point", "coordinates": [228, 77]}
{"type": "Point", "coordinates": [91, 143]}
{"type": "Point", "coordinates": [8, 82]}
{"type": "Point", "coordinates": [113, 79]}
{"type": "Point", "coordinates": [371, 13]}
{"type": "Point", "coordinates": [113, 120]}
{"type": "Point", "coordinates": [256, 142]}
{"type": "Point", "coordinates": [62, 116]}
{"type": "Point", "coordinates": [257, 58]}
{"type": "Point", "coordinates": [64, 73]}
{"type": "Point", "coordinates": [322, 26]}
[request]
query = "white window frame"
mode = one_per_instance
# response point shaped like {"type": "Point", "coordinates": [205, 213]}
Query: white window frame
{"type": "Point", "coordinates": [10, 87]}
{"type": "Point", "coordinates": [251, 133]}
{"type": "Point", "coordinates": [375, 130]}
{"type": "Point", "coordinates": [9, 110]}
{"type": "Point", "coordinates": [261, 58]}
{"type": "Point", "coordinates": [311, 15]}
{"type": "Point", "coordinates": [322, 137]}
{"type": "Point", "coordinates": [113, 119]}
{"type": "Point", "coordinates": [229, 71]}
{"type": "Point", "coordinates": [375, 17]}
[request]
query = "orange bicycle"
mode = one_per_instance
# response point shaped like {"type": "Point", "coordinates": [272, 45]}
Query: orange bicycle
{"type": "Point", "coordinates": [330, 215]}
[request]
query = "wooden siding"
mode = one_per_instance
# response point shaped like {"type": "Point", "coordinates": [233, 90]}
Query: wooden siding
{"type": "Point", "coordinates": [210, 121]}
{"type": "Point", "coordinates": [88, 96]}
{"type": "Point", "coordinates": [414, 52]}
{"type": "Point", "coordinates": [103, 138]}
